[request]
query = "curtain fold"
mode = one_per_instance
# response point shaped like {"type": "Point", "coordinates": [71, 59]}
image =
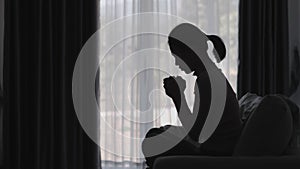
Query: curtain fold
{"type": "Point", "coordinates": [42, 41]}
{"type": "Point", "coordinates": [263, 47]}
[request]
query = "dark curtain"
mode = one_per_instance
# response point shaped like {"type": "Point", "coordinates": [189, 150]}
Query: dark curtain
{"type": "Point", "coordinates": [42, 41]}
{"type": "Point", "coordinates": [263, 47]}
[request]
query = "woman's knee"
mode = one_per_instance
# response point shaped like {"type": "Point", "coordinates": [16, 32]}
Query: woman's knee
{"type": "Point", "coordinates": [156, 131]}
{"type": "Point", "coordinates": [152, 132]}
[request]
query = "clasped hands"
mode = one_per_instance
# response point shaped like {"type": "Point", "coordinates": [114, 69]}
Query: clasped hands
{"type": "Point", "coordinates": [174, 87]}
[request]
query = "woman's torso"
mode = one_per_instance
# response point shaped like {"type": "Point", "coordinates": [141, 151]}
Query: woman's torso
{"type": "Point", "coordinates": [224, 138]}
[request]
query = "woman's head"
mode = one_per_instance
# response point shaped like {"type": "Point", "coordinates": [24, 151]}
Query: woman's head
{"type": "Point", "coordinates": [185, 38]}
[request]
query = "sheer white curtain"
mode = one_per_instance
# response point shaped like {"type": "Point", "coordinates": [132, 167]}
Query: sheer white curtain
{"type": "Point", "coordinates": [145, 89]}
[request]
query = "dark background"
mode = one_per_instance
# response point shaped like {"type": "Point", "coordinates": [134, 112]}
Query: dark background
{"type": "Point", "coordinates": [294, 37]}
{"type": "Point", "coordinates": [294, 43]}
{"type": "Point", "coordinates": [1, 72]}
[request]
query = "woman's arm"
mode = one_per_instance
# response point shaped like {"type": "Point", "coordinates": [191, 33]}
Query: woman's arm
{"type": "Point", "coordinates": [184, 113]}
{"type": "Point", "coordinates": [174, 87]}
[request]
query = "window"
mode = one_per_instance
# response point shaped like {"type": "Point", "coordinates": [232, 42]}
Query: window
{"type": "Point", "coordinates": [136, 92]}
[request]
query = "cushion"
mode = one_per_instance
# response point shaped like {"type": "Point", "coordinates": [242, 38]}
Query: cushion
{"type": "Point", "coordinates": [294, 144]}
{"type": "Point", "coordinates": [248, 104]}
{"type": "Point", "coordinates": [268, 129]}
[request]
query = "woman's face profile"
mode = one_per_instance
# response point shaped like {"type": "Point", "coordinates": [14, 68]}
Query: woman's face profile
{"type": "Point", "coordinates": [181, 64]}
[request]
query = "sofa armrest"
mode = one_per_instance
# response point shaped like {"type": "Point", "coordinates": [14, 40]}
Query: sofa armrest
{"type": "Point", "coordinates": [208, 162]}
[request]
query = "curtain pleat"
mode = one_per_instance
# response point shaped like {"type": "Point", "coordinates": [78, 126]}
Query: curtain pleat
{"type": "Point", "coordinates": [42, 41]}
{"type": "Point", "coordinates": [263, 47]}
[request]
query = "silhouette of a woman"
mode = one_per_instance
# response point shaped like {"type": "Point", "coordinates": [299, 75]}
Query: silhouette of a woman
{"type": "Point", "coordinates": [225, 136]}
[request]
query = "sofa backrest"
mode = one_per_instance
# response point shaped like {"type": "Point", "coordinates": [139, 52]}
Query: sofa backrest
{"type": "Point", "coordinates": [268, 129]}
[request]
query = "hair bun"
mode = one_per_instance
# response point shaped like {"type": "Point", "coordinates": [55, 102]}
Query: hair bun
{"type": "Point", "coordinates": [219, 47]}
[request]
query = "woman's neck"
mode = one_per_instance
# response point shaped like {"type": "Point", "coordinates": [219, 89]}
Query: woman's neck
{"type": "Point", "coordinates": [201, 69]}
